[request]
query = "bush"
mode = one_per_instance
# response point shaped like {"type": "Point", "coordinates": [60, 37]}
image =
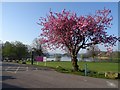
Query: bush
{"type": "Point", "coordinates": [91, 73]}
{"type": "Point", "coordinates": [23, 62]}
{"type": "Point", "coordinates": [111, 75]}
{"type": "Point", "coordinates": [17, 61]}
{"type": "Point", "coordinates": [61, 69]}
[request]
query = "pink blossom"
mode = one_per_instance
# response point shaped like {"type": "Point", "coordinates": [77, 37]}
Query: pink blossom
{"type": "Point", "coordinates": [66, 29]}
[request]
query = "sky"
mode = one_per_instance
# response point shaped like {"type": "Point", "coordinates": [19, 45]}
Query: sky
{"type": "Point", "coordinates": [19, 20]}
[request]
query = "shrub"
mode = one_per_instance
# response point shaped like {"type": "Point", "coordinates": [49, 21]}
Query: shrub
{"type": "Point", "coordinates": [17, 61]}
{"type": "Point", "coordinates": [23, 62]}
{"type": "Point", "coordinates": [61, 69]}
{"type": "Point", "coordinates": [111, 75]}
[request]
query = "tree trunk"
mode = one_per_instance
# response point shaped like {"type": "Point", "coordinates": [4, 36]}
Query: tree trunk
{"type": "Point", "coordinates": [74, 63]}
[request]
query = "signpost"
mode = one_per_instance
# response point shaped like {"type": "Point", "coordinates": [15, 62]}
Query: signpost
{"type": "Point", "coordinates": [85, 69]}
{"type": "Point", "coordinates": [39, 59]}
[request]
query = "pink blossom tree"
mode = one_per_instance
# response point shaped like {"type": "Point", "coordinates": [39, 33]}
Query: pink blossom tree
{"type": "Point", "coordinates": [67, 30]}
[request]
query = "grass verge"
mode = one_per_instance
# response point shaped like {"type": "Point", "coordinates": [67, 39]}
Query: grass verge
{"type": "Point", "coordinates": [94, 69]}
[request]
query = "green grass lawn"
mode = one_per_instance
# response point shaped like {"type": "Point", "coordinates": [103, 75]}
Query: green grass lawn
{"type": "Point", "coordinates": [94, 66]}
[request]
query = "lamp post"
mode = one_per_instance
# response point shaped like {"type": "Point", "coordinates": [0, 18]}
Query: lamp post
{"type": "Point", "coordinates": [32, 57]}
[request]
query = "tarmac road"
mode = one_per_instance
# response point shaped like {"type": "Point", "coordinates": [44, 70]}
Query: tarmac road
{"type": "Point", "coordinates": [28, 76]}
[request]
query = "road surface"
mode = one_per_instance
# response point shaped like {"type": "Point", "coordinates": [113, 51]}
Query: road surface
{"type": "Point", "coordinates": [28, 76]}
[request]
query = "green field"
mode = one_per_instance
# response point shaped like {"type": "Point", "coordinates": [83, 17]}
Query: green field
{"type": "Point", "coordinates": [94, 66]}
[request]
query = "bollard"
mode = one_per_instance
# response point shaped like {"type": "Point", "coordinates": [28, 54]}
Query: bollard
{"type": "Point", "coordinates": [37, 63]}
{"type": "Point", "coordinates": [85, 69]}
{"type": "Point", "coordinates": [45, 60]}
{"type": "Point", "coordinates": [45, 64]}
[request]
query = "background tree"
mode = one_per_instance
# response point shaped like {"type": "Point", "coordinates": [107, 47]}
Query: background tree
{"type": "Point", "coordinates": [9, 50]}
{"type": "Point", "coordinates": [57, 57]}
{"type": "Point", "coordinates": [115, 56]}
{"type": "Point", "coordinates": [93, 51]}
{"type": "Point", "coordinates": [39, 47]}
{"type": "Point", "coordinates": [15, 50]}
{"type": "Point", "coordinates": [21, 50]}
{"type": "Point", "coordinates": [67, 30]}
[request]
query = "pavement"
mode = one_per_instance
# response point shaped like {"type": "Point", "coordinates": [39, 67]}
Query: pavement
{"type": "Point", "coordinates": [27, 76]}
